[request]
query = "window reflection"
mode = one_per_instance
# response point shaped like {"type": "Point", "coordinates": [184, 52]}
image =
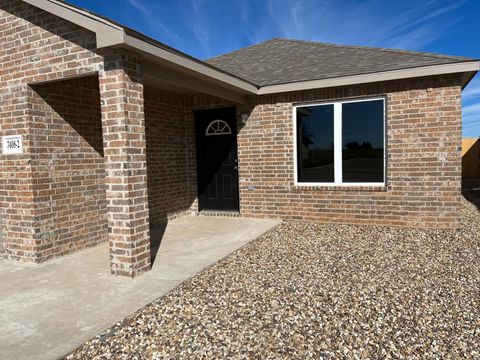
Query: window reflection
{"type": "Point", "coordinates": [363, 141]}
{"type": "Point", "coordinates": [315, 150]}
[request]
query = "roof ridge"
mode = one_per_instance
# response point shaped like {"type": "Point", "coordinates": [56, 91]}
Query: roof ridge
{"type": "Point", "coordinates": [373, 48]}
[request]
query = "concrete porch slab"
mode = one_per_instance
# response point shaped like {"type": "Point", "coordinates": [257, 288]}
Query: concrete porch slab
{"type": "Point", "coordinates": [48, 310]}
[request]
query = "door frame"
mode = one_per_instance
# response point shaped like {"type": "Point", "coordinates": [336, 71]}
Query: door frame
{"type": "Point", "coordinates": [236, 208]}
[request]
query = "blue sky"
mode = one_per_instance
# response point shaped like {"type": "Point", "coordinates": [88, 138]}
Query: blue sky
{"type": "Point", "coordinates": [205, 28]}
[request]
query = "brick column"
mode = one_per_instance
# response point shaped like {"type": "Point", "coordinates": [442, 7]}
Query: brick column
{"type": "Point", "coordinates": [18, 216]}
{"type": "Point", "coordinates": [123, 124]}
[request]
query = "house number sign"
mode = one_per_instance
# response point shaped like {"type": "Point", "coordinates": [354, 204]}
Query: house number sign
{"type": "Point", "coordinates": [12, 144]}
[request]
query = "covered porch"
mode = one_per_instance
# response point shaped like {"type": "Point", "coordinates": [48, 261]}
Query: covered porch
{"type": "Point", "coordinates": [50, 309]}
{"type": "Point", "coordinates": [115, 159]}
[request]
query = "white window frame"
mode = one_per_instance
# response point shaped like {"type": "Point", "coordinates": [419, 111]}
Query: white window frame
{"type": "Point", "coordinates": [337, 143]}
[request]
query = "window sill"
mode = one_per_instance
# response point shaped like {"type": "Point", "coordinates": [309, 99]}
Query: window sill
{"type": "Point", "coordinates": [333, 187]}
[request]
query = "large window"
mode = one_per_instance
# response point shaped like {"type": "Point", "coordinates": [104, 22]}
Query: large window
{"type": "Point", "coordinates": [341, 143]}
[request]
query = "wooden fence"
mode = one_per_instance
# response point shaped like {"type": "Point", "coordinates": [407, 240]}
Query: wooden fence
{"type": "Point", "coordinates": [471, 158]}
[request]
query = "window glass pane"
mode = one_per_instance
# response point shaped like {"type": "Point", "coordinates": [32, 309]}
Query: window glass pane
{"type": "Point", "coordinates": [362, 141]}
{"type": "Point", "coordinates": [315, 144]}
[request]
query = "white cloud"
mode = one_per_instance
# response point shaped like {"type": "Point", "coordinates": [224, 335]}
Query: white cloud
{"type": "Point", "coordinates": [471, 123]}
{"type": "Point", "coordinates": [368, 23]}
{"type": "Point", "coordinates": [152, 20]}
{"type": "Point", "coordinates": [139, 6]}
{"type": "Point", "coordinates": [414, 39]}
{"type": "Point", "coordinates": [472, 90]}
{"type": "Point", "coordinates": [199, 25]}
{"type": "Point", "coordinates": [473, 109]}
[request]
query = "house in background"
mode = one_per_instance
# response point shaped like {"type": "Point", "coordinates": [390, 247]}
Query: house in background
{"type": "Point", "coordinates": [107, 133]}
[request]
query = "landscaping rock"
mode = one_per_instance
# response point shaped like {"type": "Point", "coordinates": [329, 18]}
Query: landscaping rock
{"type": "Point", "coordinates": [315, 291]}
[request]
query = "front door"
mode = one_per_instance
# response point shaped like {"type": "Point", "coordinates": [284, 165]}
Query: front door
{"type": "Point", "coordinates": [216, 136]}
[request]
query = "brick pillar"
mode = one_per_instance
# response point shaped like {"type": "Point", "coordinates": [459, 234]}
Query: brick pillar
{"type": "Point", "coordinates": [123, 125]}
{"type": "Point", "coordinates": [18, 216]}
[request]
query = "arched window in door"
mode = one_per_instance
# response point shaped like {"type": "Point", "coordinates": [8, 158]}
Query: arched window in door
{"type": "Point", "coordinates": [218, 127]}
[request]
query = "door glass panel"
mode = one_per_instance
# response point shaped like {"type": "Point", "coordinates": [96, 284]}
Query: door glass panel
{"type": "Point", "coordinates": [363, 141]}
{"type": "Point", "coordinates": [315, 152]}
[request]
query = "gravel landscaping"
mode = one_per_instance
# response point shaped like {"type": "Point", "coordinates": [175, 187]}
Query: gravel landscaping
{"type": "Point", "coordinates": [320, 291]}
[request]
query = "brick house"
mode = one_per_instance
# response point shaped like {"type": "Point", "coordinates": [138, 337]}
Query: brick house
{"type": "Point", "coordinates": [107, 133]}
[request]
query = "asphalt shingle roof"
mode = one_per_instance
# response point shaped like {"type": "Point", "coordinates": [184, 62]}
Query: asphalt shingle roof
{"type": "Point", "coordinates": [281, 61]}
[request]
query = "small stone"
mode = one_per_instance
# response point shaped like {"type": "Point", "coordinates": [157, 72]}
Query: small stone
{"type": "Point", "coordinates": [315, 291]}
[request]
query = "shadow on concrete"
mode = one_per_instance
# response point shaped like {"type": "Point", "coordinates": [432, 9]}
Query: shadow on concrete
{"type": "Point", "coordinates": [156, 236]}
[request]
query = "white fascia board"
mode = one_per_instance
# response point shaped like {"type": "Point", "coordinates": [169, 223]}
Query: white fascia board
{"type": "Point", "coordinates": [75, 15]}
{"type": "Point", "coordinates": [467, 66]}
{"type": "Point", "coordinates": [107, 33]}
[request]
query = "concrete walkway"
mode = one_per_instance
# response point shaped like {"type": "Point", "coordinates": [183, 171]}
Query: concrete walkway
{"type": "Point", "coordinates": [48, 310]}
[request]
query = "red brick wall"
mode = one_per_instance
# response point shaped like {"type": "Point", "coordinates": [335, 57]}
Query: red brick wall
{"type": "Point", "coordinates": [35, 46]}
{"type": "Point", "coordinates": [69, 171]}
{"type": "Point", "coordinates": [169, 145]}
{"type": "Point", "coordinates": [171, 152]}
{"type": "Point", "coordinates": [123, 127]}
{"type": "Point", "coordinates": [38, 46]}
{"type": "Point", "coordinates": [423, 150]}
{"type": "Point", "coordinates": [50, 207]}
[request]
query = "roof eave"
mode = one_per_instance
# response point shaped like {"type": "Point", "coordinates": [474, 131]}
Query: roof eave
{"type": "Point", "coordinates": [423, 71]}
{"type": "Point", "coordinates": [77, 16]}
{"type": "Point", "coordinates": [110, 34]}
{"type": "Point", "coordinates": [190, 65]}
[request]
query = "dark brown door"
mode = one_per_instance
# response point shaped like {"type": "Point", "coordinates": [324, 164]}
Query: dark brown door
{"type": "Point", "coordinates": [216, 136]}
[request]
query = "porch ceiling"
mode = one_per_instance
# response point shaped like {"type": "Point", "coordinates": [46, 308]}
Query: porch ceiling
{"type": "Point", "coordinates": [170, 87]}
{"type": "Point", "coordinates": [176, 80]}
